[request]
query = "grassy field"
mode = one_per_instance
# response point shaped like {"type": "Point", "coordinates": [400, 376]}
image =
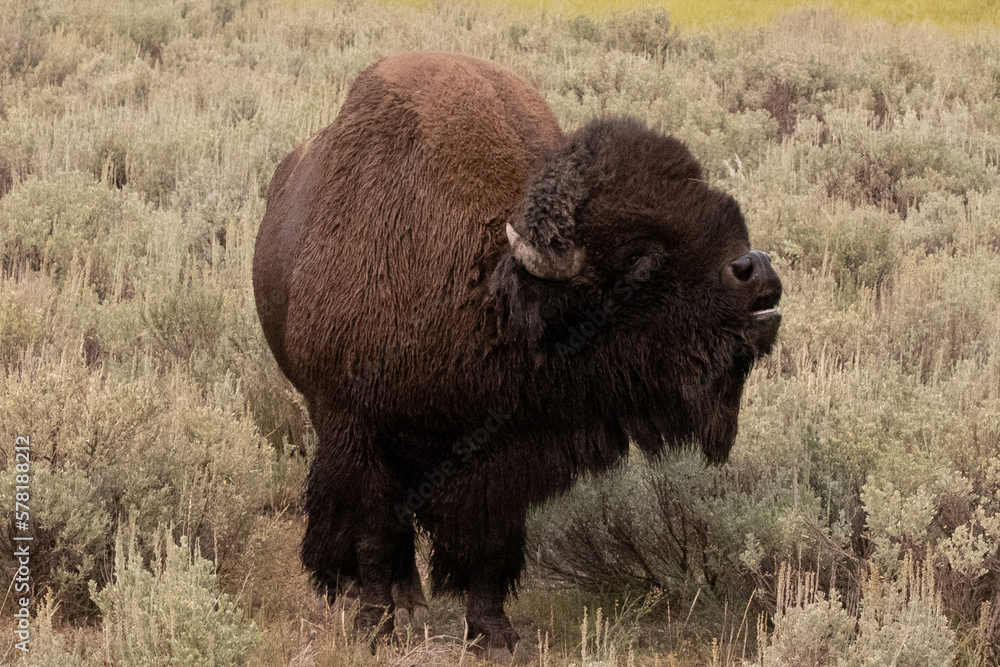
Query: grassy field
{"type": "Point", "coordinates": [859, 520]}
{"type": "Point", "coordinates": [689, 13]}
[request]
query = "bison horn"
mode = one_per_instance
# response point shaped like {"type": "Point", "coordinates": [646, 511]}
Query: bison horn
{"type": "Point", "coordinates": [545, 264]}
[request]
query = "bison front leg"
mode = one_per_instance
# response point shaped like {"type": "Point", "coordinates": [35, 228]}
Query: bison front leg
{"type": "Point", "coordinates": [488, 587]}
{"type": "Point", "coordinates": [485, 577]}
{"type": "Point", "coordinates": [477, 525]}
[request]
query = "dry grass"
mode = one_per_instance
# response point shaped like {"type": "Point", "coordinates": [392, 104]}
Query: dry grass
{"type": "Point", "coordinates": [690, 13]}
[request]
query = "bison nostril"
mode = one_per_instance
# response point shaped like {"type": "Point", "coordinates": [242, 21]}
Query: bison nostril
{"type": "Point", "coordinates": [743, 268]}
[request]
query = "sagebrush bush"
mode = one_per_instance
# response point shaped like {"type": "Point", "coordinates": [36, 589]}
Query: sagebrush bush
{"type": "Point", "coordinates": [18, 326]}
{"type": "Point", "coordinates": [115, 445]}
{"type": "Point", "coordinates": [22, 37]}
{"type": "Point", "coordinates": [71, 221]}
{"type": "Point", "coordinates": [900, 623]}
{"type": "Point", "coordinates": [809, 628]}
{"type": "Point", "coordinates": [171, 612]}
{"type": "Point", "coordinates": [675, 526]}
{"type": "Point", "coordinates": [646, 32]}
{"type": "Point", "coordinates": [47, 648]}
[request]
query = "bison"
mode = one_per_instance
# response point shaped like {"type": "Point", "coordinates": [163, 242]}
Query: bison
{"type": "Point", "coordinates": [479, 309]}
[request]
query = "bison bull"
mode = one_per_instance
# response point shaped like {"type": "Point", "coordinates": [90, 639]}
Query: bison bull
{"type": "Point", "coordinates": [478, 309]}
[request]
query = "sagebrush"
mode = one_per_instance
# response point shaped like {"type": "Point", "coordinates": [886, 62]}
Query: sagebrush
{"type": "Point", "coordinates": [137, 140]}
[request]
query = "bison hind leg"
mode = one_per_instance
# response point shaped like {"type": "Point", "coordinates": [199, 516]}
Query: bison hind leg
{"type": "Point", "coordinates": [411, 604]}
{"type": "Point", "coordinates": [353, 543]}
{"type": "Point", "coordinates": [329, 555]}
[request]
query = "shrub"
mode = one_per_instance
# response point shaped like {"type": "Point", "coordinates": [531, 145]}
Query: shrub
{"type": "Point", "coordinates": [22, 42]}
{"type": "Point", "coordinates": [71, 221]}
{"type": "Point", "coordinates": [895, 169]}
{"type": "Point", "coordinates": [901, 623]}
{"type": "Point", "coordinates": [788, 88]}
{"type": "Point", "coordinates": [158, 445]}
{"type": "Point", "coordinates": [727, 138]}
{"type": "Point", "coordinates": [583, 28]}
{"type": "Point", "coordinates": [63, 54]}
{"type": "Point", "coordinates": [645, 32]}
{"type": "Point", "coordinates": [19, 325]}
{"type": "Point", "coordinates": [187, 321]}
{"type": "Point", "coordinates": [809, 629]}
{"type": "Point", "coordinates": [47, 648]}
{"type": "Point", "coordinates": [171, 613]}
{"type": "Point", "coordinates": [674, 525]}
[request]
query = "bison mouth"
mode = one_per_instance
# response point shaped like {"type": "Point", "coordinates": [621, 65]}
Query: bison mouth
{"type": "Point", "coordinates": [764, 322]}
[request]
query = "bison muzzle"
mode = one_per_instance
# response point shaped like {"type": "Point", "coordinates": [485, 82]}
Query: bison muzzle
{"type": "Point", "coordinates": [478, 309]}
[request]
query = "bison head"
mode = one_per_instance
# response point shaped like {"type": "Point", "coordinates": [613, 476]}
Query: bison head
{"type": "Point", "coordinates": [625, 264]}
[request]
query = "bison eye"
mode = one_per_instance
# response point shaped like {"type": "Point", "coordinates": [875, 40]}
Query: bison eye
{"type": "Point", "coordinates": [642, 259]}
{"type": "Point", "coordinates": [644, 267]}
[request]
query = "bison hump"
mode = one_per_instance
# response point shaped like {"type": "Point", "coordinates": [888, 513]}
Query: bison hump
{"type": "Point", "coordinates": [480, 128]}
{"type": "Point", "coordinates": [424, 163]}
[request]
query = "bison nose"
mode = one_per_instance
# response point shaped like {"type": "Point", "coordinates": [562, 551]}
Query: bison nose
{"type": "Point", "coordinates": [754, 264]}
{"type": "Point", "coordinates": [753, 271]}
{"type": "Point", "coordinates": [743, 268]}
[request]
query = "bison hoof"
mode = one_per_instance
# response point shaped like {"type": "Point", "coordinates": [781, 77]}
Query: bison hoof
{"type": "Point", "coordinates": [374, 623]}
{"type": "Point", "coordinates": [493, 633]}
{"type": "Point", "coordinates": [408, 598]}
{"type": "Point", "coordinates": [415, 618]}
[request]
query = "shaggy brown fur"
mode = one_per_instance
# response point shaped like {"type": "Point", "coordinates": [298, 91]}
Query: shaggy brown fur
{"type": "Point", "coordinates": [449, 386]}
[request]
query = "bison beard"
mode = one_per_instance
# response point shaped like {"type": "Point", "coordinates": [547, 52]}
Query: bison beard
{"type": "Point", "coordinates": [442, 255]}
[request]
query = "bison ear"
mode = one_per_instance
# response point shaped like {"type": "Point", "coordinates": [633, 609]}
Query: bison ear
{"type": "Point", "coordinates": [546, 219]}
